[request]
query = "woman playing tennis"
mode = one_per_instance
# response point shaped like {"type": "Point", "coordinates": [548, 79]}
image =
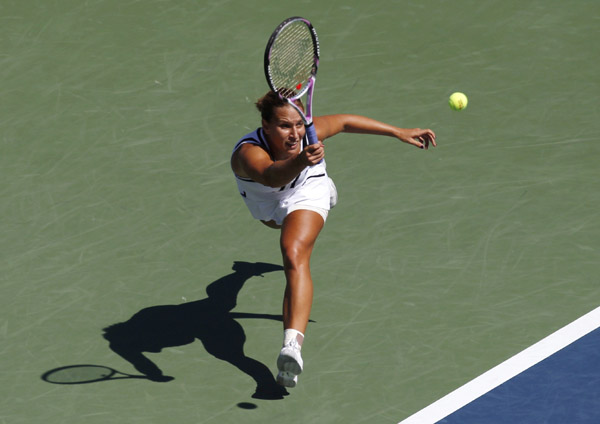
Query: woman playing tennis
{"type": "Point", "coordinates": [284, 183]}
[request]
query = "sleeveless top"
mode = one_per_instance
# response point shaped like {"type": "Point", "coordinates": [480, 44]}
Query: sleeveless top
{"type": "Point", "coordinates": [258, 196]}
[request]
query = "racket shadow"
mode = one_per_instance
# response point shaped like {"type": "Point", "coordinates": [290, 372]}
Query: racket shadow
{"type": "Point", "coordinates": [209, 320]}
{"type": "Point", "coordinates": [84, 374]}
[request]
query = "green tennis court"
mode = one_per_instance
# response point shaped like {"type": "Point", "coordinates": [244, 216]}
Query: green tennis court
{"type": "Point", "coordinates": [117, 121]}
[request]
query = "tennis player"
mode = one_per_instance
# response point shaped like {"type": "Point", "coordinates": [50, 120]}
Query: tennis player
{"type": "Point", "coordinates": [284, 184]}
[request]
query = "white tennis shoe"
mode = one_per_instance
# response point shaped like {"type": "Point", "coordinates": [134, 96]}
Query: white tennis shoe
{"type": "Point", "coordinates": [287, 379]}
{"type": "Point", "coordinates": [289, 364]}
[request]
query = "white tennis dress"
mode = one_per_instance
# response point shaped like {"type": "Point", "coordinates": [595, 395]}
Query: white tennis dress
{"type": "Point", "coordinates": [312, 189]}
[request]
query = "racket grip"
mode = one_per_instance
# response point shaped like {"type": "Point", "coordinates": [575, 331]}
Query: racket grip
{"type": "Point", "coordinates": [311, 134]}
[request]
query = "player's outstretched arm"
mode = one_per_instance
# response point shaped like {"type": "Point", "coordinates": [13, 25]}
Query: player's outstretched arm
{"type": "Point", "coordinates": [329, 125]}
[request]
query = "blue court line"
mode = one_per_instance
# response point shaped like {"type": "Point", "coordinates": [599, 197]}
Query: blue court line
{"type": "Point", "coordinates": [553, 381]}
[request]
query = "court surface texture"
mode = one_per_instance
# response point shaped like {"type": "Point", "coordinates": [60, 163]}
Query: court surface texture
{"type": "Point", "coordinates": [458, 284]}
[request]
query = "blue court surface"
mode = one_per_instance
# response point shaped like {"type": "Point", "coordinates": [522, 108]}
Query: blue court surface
{"type": "Point", "coordinates": [555, 381]}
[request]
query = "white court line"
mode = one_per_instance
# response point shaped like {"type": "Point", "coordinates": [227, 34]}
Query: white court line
{"type": "Point", "coordinates": [506, 370]}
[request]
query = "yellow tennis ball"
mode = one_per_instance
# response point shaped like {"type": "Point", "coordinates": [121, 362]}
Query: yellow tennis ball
{"type": "Point", "coordinates": [458, 101]}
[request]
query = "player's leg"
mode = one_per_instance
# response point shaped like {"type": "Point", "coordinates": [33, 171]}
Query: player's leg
{"type": "Point", "coordinates": [298, 235]}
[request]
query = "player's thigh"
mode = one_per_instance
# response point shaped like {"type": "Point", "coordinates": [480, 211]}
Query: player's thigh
{"type": "Point", "coordinates": [299, 232]}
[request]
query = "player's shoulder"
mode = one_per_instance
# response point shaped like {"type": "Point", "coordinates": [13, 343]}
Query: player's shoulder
{"type": "Point", "coordinates": [255, 137]}
{"type": "Point", "coordinates": [249, 151]}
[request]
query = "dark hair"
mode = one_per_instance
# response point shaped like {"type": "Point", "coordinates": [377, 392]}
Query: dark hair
{"type": "Point", "coordinates": [267, 104]}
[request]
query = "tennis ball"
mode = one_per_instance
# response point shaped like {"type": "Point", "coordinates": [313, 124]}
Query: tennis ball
{"type": "Point", "coordinates": [458, 101]}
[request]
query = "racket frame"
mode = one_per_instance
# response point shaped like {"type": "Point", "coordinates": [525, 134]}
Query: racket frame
{"type": "Point", "coordinates": [308, 87]}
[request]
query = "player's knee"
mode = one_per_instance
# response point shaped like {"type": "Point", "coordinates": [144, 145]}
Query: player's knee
{"type": "Point", "coordinates": [295, 254]}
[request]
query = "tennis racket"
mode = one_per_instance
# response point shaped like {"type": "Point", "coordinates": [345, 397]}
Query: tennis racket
{"type": "Point", "coordinates": [291, 62]}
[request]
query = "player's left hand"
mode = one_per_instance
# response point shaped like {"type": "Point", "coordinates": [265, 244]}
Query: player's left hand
{"type": "Point", "coordinates": [418, 137]}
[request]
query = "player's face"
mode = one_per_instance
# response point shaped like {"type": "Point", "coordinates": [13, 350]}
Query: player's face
{"type": "Point", "coordinates": [284, 132]}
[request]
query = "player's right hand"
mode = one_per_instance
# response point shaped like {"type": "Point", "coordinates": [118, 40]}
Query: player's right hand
{"type": "Point", "coordinates": [313, 154]}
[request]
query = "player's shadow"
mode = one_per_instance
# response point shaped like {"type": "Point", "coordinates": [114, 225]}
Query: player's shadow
{"type": "Point", "coordinates": [209, 320]}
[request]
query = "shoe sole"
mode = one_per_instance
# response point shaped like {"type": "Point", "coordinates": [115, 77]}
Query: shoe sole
{"type": "Point", "coordinates": [289, 364]}
{"type": "Point", "coordinates": [287, 379]}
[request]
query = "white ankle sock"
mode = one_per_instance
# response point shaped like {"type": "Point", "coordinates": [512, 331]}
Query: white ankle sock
{"type": "Point", "coordinates": [291, 334]}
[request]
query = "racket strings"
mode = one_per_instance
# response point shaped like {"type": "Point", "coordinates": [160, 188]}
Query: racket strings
{"type": "Point", "coordinates": [292, 59]}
